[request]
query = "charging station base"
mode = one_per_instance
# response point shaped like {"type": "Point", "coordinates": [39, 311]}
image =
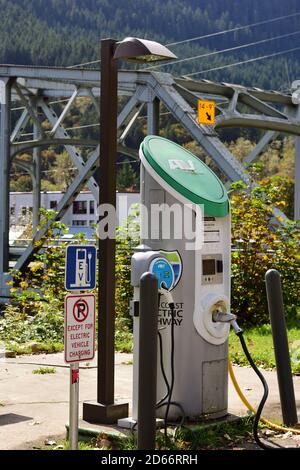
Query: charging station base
{"type": "Point", "coordinates": [130, 423]}
{"type": "Point", "coordinates": [94, 412]}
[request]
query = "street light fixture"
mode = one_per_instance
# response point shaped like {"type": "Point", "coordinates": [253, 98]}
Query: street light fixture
{"type": "Point", "coordinates": [105, 410]}
{"type": "Point", "coordinates": [142, 50]}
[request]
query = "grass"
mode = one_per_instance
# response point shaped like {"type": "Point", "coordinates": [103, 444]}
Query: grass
{"type": "Point", "coordinates": [216, 436]}
{"type": "Point", "coordinates": [44, 370]}
{"type": "Point", "coordinates": [123, 344]}
{"type": "Point", "coordinates": [260, 343]}
{"type": "Point", "coordinates": [102, 442]}
{"type": "Point", "coordinates": [81, 445]}
{"type": "Point", "coordinates": [224, 435]}
{"type": "Point", "coordinates": [47, 347]}
{"type": "Point", "coordinates": [123, 341]}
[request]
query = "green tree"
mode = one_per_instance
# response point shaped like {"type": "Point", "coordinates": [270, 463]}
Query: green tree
{"type": "Point", "coordinates": [66, 32]}
{"type": "Point", "coordinates": [127, 178]}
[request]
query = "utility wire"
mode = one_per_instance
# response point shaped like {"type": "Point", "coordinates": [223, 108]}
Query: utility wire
{"type": "Point", "coordinates": [65, 129]}
{"type": "Point", "coordinates": [86, 126]}
{"type": "Point", "coordinates": [209, 54]}
{"type": "Point", "coordinates": [20, 108]}
{"type": "Point", "coordinates": [238, 28]}
{"type": "Point", "coordinates": [286, 51]}
{"type": "Point", "coordinates": [205, 36]}
{"type": "Point", "coordinates": [84, 63]}
{"type": "Point", "coordinates": [16, 173]}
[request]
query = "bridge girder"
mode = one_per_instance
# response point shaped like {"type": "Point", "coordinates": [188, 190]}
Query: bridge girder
{"type": "Point", "coordinates": [28, 92]}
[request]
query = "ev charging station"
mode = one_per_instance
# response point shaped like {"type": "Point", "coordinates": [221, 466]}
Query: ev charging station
{"type": "Point", "coordinates": [197, 279]}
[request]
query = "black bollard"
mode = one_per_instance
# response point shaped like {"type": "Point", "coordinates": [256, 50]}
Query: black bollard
{"type": "Point", "coordinates": [281, 348]}
{"type": "Point", "coordinates": [147, 361]}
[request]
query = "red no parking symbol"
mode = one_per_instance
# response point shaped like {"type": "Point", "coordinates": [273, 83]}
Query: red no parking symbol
{"type": "Point", "coordinates": [80, 310]}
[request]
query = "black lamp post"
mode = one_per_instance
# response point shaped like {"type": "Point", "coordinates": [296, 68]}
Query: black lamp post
{"type": "Point", "coordinates": [105, 410]}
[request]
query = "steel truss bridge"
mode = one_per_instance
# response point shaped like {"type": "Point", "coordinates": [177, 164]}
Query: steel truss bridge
{"type": "Point", "coordinates": [27, 94]}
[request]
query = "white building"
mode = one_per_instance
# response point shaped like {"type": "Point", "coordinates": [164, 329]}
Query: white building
{"type": "Point", "coordinates": [82, 213]}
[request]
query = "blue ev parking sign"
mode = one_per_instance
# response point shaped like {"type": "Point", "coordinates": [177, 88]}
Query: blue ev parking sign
{"type": "Point", "coordinates": [80, 267]}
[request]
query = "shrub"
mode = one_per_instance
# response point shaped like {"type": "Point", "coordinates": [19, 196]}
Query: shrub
{"type": "Point", "coordinates": [127, 239]}
{"type": "Point", "coordinates": [261, 243]}
{"type": "Point", "coordinates": [36, 312]}
{"type": "Point", "coordinates": [280, 190]}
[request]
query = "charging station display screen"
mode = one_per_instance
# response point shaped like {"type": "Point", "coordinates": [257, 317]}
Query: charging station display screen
{"type": "Point", "coordinates": [208, 267]}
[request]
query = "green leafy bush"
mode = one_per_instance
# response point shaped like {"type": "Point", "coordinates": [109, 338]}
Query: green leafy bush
{"type": "Point", "coordinates": [280, 190]}
{"type": "Point", "coordinates": [127, 238]}
{"type": "Point", "coordinates": [36, 312]}
{"type": "Point", "coordinates": [262, 243]}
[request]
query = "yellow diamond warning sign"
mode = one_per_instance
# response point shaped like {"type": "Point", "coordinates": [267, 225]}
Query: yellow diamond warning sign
{"type": "Point", "coordinates": [206, 112]}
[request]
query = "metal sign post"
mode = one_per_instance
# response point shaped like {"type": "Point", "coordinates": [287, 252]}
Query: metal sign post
{"type": "Point", "coordinates": [74, 406]}
{"type": "Point", "coordinates": [80, 311]}
{"type": "Point", "coordinates": [79, 346]}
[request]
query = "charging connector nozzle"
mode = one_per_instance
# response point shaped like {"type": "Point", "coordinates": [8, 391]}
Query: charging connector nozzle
{"type": "Point", "coordinates": [236, 327]}
{"type": "Point", "coordinates": [223, 317]}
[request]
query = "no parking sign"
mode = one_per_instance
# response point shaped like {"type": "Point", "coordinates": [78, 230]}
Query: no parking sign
{"type": "Point", "coordinates": [79, 327]}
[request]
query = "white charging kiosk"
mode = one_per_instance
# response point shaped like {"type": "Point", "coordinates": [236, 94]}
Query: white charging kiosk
{"type": "Point", "coordinates": [200, 284]}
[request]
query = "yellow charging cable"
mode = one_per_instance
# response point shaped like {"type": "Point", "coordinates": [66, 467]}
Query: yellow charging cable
{"type": "Point", "coordinates": [250, 407]}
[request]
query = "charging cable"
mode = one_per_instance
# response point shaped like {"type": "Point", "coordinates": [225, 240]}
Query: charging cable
{"type": "Point", "coordinates": [257, 417]}
{"type": "Point", "coordinates": [230, 318]}
{"type": "Point", "coordinates": [169, 299]}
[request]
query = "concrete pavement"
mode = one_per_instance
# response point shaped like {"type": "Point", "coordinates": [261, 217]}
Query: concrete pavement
{"type": "Point", "coordinates": [35, 407]}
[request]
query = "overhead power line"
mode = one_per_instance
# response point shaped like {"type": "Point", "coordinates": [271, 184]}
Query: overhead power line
{"type": "Point", "coordinates": [209, 54]}
{"type": "Point", "coordinates": [62, 170]}
{"type": "Point", "coordinates": [238, 28]}
{"type": "Point", "coordinates": [286, 51]}
{"type": "Point", "coordinates": [20, 108]}
{"type": "Point", "coordinates": [218, 33]}
{"type": "Point", "coordinates": [84, 63]}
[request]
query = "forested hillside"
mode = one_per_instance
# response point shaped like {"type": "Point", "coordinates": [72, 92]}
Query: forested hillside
{"type": "Point", "coordinates": [66, 32]}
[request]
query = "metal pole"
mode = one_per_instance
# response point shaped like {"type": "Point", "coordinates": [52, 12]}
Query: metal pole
{"type": "Point", "coordinates": [5, 105]}
{"type": "Point", "coordinates": [153, 117]}
{"type": "Point", "coordinates": [147, 361]}
{"type": "Point", "coordinates": [74, 404]}
{"type": "Point", "coordinates": [105, 410]}
{"type": "Point", "coordinates": [297, 176]}
{"type": "Point", "coordinates": [281, 348]}
{"type": "Point", "coordinates": [36, 183]}
{"type": "Point", "coordinates": [106, 291]}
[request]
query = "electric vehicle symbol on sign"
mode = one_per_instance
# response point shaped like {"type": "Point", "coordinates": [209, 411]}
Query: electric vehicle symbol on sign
{"type": "Point", "coordinates": [80, 267]}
